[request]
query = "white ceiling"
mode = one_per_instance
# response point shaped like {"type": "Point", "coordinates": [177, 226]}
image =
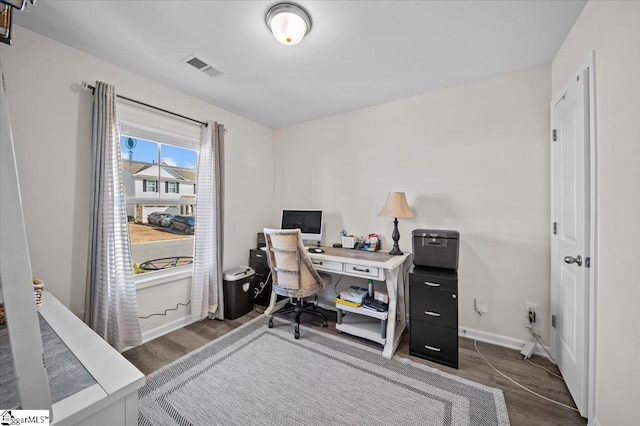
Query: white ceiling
{"type": "Point", "coordinates": [358, 53]}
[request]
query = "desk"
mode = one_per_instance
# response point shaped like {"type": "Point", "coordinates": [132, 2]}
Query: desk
{"type": "Point", "coordinates": [378, 266]}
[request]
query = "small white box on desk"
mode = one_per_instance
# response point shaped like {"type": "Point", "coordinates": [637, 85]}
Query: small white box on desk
{"type": "Point", "coordinates": [348, 242]}
{"type": "Point", "coordinates": [381, 295]}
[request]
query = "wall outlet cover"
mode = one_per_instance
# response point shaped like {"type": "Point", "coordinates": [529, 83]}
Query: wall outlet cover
{"type": "Point", "coordinates": [532, 307]}
{"type": "Point", "coordinates": [481, 305]}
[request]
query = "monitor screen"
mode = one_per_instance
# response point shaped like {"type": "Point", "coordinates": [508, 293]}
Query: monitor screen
{"type": "Point", "coordinates": [309, 222]}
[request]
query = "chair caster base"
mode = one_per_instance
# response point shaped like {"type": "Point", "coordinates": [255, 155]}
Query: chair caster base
{"type": "Point", "coordinates": [299, 307]}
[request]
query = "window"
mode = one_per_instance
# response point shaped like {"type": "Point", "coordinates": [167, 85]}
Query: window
{"type": "Point", "coordinates": [172, 187]}
{"type": "Point", "coordinates": [147, 167]}
{"type": "Point", "coordinates": [149, 185]}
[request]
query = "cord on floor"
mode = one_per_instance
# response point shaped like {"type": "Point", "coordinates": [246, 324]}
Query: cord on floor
{"type": "Point", "coordinates": [475, 345]}
{"type": "Point", "coordinates": [548, 371]}
{"type": "Point", "coordinates": [167, 310]}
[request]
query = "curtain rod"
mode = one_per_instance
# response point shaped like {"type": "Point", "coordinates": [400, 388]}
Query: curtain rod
{"type": "Point", "coordinates": [93, 89]}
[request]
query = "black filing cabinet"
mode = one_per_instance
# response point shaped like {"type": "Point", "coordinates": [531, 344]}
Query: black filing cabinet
{"type": "Point", "coordinates": [433, 307]}
{"type": "Point", "coordinates": [262, 286]}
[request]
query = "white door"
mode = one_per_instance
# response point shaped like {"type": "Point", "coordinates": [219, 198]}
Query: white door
{"type": "Point", "coordinates": [570, 244]}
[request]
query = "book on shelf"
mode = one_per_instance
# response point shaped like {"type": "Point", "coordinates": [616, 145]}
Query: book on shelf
{"type": "Point", "coordinates": [354, 294]}
{"type": "Point", "coordinates": [348, 303]}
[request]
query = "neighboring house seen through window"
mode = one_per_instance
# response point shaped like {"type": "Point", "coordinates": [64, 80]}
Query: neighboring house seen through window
{"type": "Point", "coordinates": [164, 217]}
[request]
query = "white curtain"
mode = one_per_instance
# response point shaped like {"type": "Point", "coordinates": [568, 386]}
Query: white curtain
{"type": "Point", "coordinates": [206, 288]}
{"type": "Point", "coordinates": [111, 306]}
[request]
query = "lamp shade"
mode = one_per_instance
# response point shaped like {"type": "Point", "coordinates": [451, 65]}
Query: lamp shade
{"type": "Point", "coordinates": [396, 206]}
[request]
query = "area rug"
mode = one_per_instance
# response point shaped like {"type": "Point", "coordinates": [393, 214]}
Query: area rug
{"type": "Point", "coordinates": [261, 376]}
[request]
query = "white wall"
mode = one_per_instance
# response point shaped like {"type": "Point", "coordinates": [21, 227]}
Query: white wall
{"type": "Point", "coordinates": [51, 121]}
{"type": "Point", "coordinates": [473, 158]}
{"type": "Point", "coordinates": [612, 29]}
{"type": "Point", "coordinates": [173, 292]}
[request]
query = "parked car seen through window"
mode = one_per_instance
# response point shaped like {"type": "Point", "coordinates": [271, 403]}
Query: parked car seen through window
{"type": "Point", "coordinates": [186, 224]}
{"type": "Point", "coordinates": [159, 218]}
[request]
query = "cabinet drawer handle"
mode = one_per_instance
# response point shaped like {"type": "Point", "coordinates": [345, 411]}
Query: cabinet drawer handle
{"type": "Point", "coordinates": [258, 255]}
{"type": "Point", "coordinates": [360, 270]}
{"type": "Point", "coordinates": [432, 284]}
{"type": "Point", "coordinates": [316, 263]}
{"type": "Point", "coordinates": [433, 314]}
{"type": "Point", "coordinates": [432, 348]}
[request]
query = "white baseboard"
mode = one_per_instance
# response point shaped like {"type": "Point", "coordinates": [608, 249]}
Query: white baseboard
{"type": "Point", "coordinates": [500, 340]}
{"type": "Point", "coordinates": [163, 329]}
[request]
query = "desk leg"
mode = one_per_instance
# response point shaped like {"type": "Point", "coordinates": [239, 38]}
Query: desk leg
{"type": "Point", "coordinates": [396, 322]}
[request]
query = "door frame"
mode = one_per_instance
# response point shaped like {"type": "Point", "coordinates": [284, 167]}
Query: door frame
{"type": "Point", "coordinates": [588, 64]}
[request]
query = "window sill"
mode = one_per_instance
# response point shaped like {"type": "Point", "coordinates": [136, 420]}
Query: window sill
{"type": "Point", "coordinates": [152, 279]}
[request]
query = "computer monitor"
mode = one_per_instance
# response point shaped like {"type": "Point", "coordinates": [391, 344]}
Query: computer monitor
{"type": "Point", "coordinates": [307, 221]}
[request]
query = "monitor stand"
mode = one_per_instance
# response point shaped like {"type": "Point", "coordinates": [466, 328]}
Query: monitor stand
{"type": "Point", "coordinates": [310, 243]}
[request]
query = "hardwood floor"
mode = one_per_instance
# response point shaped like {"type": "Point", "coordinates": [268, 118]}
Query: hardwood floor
{"type": "Point", "coordinates": [524, 408]}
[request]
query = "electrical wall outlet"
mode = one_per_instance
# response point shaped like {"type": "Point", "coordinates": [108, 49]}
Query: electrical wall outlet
{"type": "Point", "coordinates": [531, 310]}
{"type": "Point", "coordinates": [481, 305]}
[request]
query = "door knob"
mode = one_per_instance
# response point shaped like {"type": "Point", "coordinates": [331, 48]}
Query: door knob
{"type": "Point", "coordinates": [570, 260]}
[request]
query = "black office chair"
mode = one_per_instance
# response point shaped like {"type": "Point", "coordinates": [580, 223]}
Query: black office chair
{"type": "Point", "coordinates": [294, 275]}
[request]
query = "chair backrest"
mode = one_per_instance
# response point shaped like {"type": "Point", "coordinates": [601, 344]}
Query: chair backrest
{"type": "Point", "coordinates": [290, 264]}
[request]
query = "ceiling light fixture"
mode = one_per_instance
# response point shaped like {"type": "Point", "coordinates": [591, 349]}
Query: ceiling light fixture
{"type": "Point", "coordinates": [288, 22]}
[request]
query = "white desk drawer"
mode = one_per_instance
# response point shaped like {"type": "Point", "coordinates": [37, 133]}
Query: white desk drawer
{"type": "Point", "coordinates": [327, 265]}
{"type": "Point", "coordinates": [365, 271]}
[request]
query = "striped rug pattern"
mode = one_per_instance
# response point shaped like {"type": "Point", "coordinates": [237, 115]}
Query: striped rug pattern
{"type": "Point", "coordinates": [260, 376]}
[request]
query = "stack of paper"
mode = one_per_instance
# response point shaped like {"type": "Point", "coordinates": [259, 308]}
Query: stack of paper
{"type": "Point", "coordinates": [354, 294]}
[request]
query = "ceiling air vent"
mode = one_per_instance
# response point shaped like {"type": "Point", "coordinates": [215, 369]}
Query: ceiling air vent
{"type": "Point", "coordinates": [201, 65]}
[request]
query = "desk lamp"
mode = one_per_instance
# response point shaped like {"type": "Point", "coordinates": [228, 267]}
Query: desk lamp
{"type": "Point", "coordinates": [395, 207]}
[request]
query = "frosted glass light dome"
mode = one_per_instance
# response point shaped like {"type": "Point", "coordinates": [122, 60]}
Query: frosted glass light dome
{"type": "Point", "coordinates": [288, 22]}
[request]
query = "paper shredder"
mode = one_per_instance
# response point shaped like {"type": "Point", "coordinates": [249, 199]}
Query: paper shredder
{"type": "Point", "coordinates": [237, 288]}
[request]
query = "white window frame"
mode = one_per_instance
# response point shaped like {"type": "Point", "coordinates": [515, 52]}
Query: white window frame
{"type": "Point", "coordinates": [154, 278]}
{"type": "Point", "coordinates": [140, 122]}
{"type": "Point", "coordinates": [173, 190]}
